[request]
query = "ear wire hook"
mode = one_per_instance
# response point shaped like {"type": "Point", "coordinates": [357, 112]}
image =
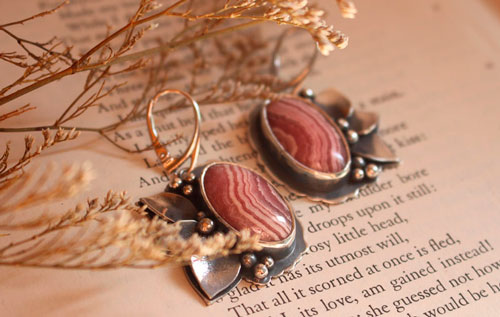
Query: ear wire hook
{"type": "Point", "coordinates": [296, 82]}
{"type": "Point", "coordinates": [169, 162]}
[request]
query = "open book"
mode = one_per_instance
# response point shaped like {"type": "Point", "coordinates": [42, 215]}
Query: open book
{"type": "Point", "coordinates": [422, 241]}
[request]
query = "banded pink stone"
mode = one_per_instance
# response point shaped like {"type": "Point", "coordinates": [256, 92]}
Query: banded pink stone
{"type": "Point", "coordinates": [307, 135]}
{"type": "Point", "coordinates": [246, 200]}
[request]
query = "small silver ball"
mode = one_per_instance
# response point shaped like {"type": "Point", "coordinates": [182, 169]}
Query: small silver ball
{"type": "Point", "coordinates": [358, 174]}
{"type": "Point", "coordinates": [307, 93]}
{"type": "Point", "coordinates": [188, 177]}
{"type": "Point", "coordinates": [187, 190]}
{"type": "Point", "coordinates": [352, 136]}
{"type": "Point", "coordinates": [175, 183]}
{"type": "Point", "coordinates": [372, 171]}
{"type": "Point", "coordinates": [248, 260]}
{"type": "Point", "coordinates": [268, 261]}
{"type": "Point", "coordinates": [358, 161]}
{"type": "Point", "coordinates": [200, 215]}
{"type": "Point", "coordinates": [260, 271]}
{"type": "Point", "coordinates": [343, 124]}
{"type": "Point", "coordinates": [206, 226]}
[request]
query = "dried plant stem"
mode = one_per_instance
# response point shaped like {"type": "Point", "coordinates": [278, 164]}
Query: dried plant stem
{"type": "Point", "coordinates": [49, 127]}
{"type": "Point", "coordinates": [173, 46]}
{"type": "Point", "coordinates": [76, 68]}
{"type": "Point", "coordinates": [111, 233]}
{"type": "Point", "coordinates": [41, 14]}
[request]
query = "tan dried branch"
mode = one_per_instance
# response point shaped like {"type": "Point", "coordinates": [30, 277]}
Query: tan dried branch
{"type": "Point", "coordinates": [31, 190]}
{"type": "Point", "coordinates": [31, 151]}
{"type": "Point", "coordinates": [38, 15]}
{"type": "Point", "coordinates": [14, 58]}
{"type": "Point", "coordinates": [16, 112]}
{"type": "Point", "coordinates": [295, 13]}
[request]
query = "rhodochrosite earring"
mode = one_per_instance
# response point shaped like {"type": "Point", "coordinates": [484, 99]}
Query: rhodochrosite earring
{"type": "Point", "coordinates": [320, 148]}
{"type": "Point", "coordinates": [222, 197]}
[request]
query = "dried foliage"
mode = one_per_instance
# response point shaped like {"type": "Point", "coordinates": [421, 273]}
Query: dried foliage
{"type": "Point", "coordinates": [111, 232]}
{"type": "Point", "coordinates": [11, 171]}
{"type": "Point", "coordinates": [101, 234]}
{"type": "Point", "coordinates": [44, 63]}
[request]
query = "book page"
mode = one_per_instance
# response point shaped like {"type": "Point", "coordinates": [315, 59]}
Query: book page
{"type": "Point", "coordinates": [421, 241]}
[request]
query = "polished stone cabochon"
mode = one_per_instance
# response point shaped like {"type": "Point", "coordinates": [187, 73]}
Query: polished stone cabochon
{"type": "Point", "coordinates": [307, 135]}
{"type": "Point", "coordinates": [246, 200]}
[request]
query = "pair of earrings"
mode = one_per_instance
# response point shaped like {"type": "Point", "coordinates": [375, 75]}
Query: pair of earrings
{"type": "Point", "coordinates": [324, 151]}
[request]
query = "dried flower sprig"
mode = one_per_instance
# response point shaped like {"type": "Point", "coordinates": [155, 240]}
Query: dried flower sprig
{"type": "Point", "coordinates": [110, 233]}
{"type": "Point", "coordinates": [295, 13]}
{"type": "Point", "coordinates": [31, 151]}
{"type": "Point", "coordinates": [40, 69]}
{"type": "Point", "coordinates": [347, 9]}
{"type": "Point", "coordinates": [30, 189]}
{"type": "Point", "coordinates": [102, 234]}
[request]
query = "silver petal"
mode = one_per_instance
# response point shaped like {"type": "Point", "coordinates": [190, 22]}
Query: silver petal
{"type": "Point", "coordinates": [363, 122]}
{"type": "Point", "coordinates": [373, 148]}
{"type": "Point", "coordinates": [334, 103]}
{"type": "Point", "coordinates": [214, 278]}
{"type": "Point", "coordinates": [170, 207]}
{"type": "Point", "coordinates": [188, 227]}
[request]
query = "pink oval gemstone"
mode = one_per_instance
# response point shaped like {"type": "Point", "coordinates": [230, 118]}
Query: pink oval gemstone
{"type": "Point", "coordinates": [246, 200]}
{"type": "Point", "coordinates": [307, 135]}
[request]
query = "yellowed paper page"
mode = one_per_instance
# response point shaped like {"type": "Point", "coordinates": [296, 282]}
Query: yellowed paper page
{"type": "Point", "coordinates": [422, 241]}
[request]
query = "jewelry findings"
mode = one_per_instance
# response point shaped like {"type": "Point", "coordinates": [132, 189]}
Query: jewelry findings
{"type": "Point", "coordinates": [221, 197]}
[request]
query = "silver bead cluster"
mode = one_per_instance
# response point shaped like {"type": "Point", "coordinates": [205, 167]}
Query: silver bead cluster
{"type": "Point", "coordinates": [178, 181]}
{"type": "Point", "coordinates": [362, 170]}
{"type": "Point", "coordinates": [188, 177]}
{"type": "Point", "coordinates": [205, 226]}
{"type": "Point", "coordinates": [260, 270]}
{"type": "Point", "coordinates": [343, 124]}
{"type": "Point", "coordinates": [200, 215]}
{"type": "Point", "coordinates": [248, 260]}
{"type": "Point", "coordinates": [351, 135]}
{"type": "Point", "coordinates": [175, 183]}
{"type": "Point", "coordinates": [307, 93]}
{"type": "Point", "coordinates": [187, 190]}
{"type": "Point", "coordinates": [268, 261]}
{"type": "Point", "coordinates": [372, 171]}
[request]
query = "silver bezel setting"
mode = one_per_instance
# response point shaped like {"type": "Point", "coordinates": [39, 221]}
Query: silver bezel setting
{"type": "Point", "coordinates": [290, 160]}
{"type": "Point", "coordinates": [276, 162]}
{"type": "Point", "coordinates": [266, 244]}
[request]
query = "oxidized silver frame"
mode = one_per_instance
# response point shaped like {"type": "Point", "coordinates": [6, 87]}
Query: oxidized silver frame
{"type": "Point", "coordinates": [329, 188]}
{"type": "Point", "coordinates": [215, 279]}
{"type": "Point", "coordinates": [185, 202]}
{"type": "Point", "coordinates": [266, 245]}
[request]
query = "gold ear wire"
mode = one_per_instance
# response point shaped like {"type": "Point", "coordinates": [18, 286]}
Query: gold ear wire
{"type": "Point", "coordinates": [296, 82]}
{"type": "Point", "coordinates": [169, 162]}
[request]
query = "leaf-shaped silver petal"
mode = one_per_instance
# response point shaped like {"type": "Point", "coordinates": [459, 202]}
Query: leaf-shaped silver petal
{"type": "Point", "coordinates": [373, 148]}
{"type": "Point", "coordinates": [170, 207]}
{"type": "Point", "coordinates": [188, 227]}
{"type": "Point", "coordinates": [214, 278]}
{"type": "Point", "coordinates": [334, 103]}
{"type": "Point", "coordinates": [363, 122]}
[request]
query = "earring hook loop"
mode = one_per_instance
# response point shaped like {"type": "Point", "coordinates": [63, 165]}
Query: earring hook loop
{"type": "Point", "coordinates": [296, 82]}
{"type": "Point", "coordinates": [169, 162]}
